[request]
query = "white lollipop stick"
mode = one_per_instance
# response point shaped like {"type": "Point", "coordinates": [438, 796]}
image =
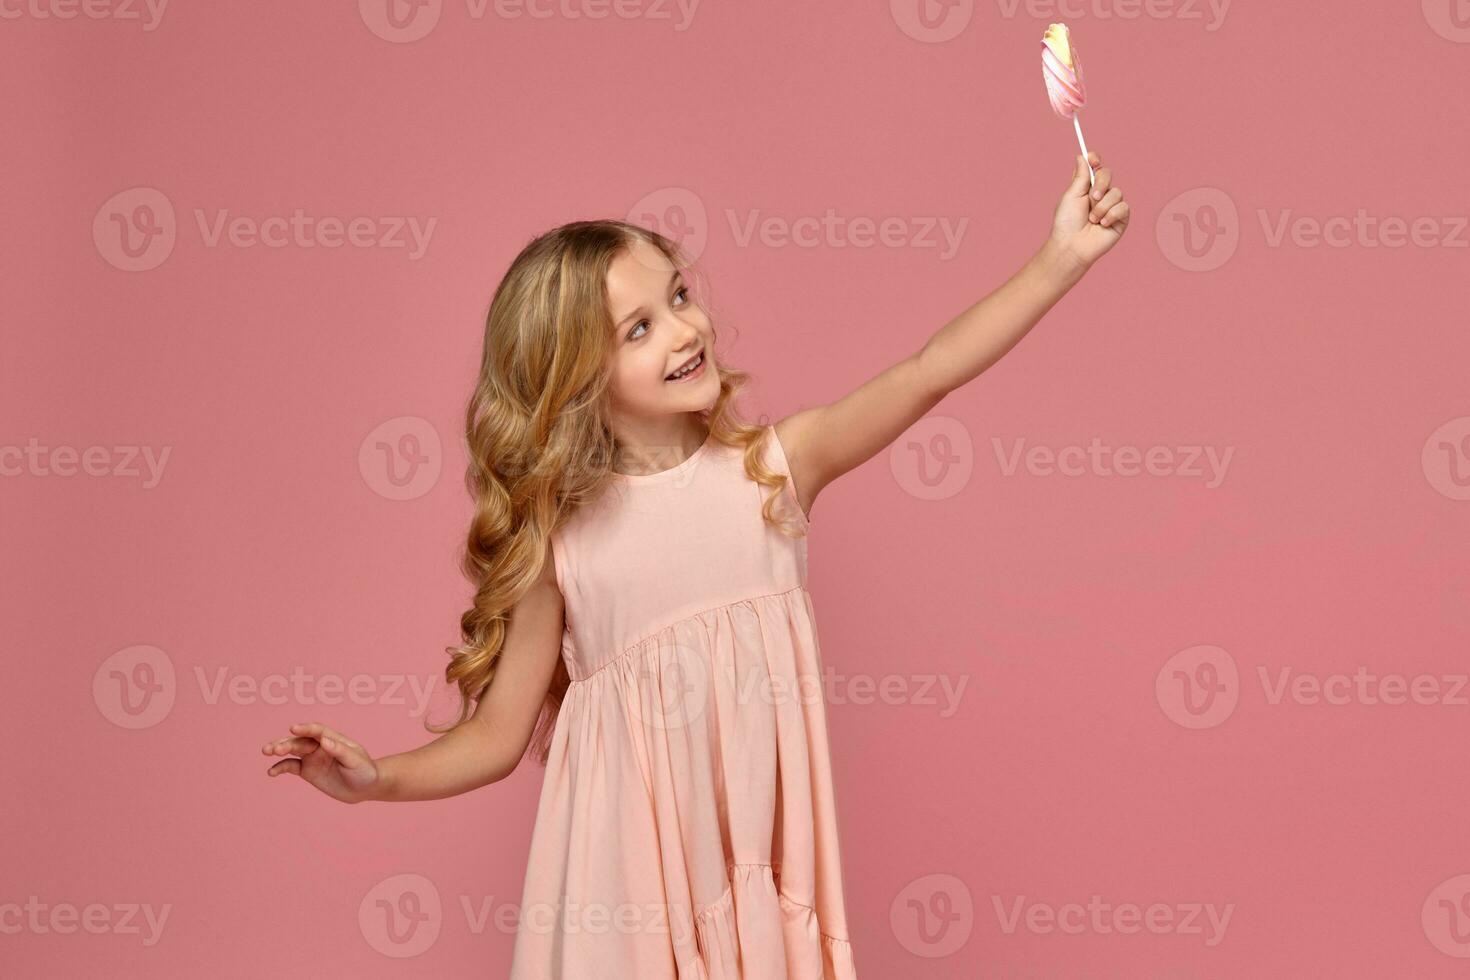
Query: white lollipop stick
{"type": "Point", "coordinates": [1077, 124]}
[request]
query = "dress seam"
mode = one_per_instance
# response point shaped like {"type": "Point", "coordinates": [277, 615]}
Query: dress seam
{"type": "Point", "coordinates": [630, 648]}
{"type": "Point", "coordinates": [729, 893]}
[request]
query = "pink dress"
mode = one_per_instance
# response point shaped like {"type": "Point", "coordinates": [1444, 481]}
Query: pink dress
{"type": "Point", "coordinates": [686, 827]}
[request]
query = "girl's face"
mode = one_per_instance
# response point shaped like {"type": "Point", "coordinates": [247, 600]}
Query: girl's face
{"type": "Point", "coordinates": [657, 329]}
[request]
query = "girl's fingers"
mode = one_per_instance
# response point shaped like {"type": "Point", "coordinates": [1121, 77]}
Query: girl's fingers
{"type": "Point", "coordinates": [1112, 197]}
{"type": "Point", "coordinates": [290, 746]}
{"type": "Point", "coordinates": [1118, 214]}
{"type": "Point", "coordinates": [318, 731]}
{"type": "Point", "coordinates": [308, 737]}
{"type": "Point", "coordinates": [347, 755]}
{"type": "Point", "coordinates": [1101, 182]}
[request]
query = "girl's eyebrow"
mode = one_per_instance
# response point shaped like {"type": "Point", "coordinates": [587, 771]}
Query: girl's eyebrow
{"type": "Point", "coordinates": [628, 316]}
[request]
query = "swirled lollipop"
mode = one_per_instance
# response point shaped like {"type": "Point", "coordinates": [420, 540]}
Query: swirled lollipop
{"type": "Point", "coordinates": [1062, 71]}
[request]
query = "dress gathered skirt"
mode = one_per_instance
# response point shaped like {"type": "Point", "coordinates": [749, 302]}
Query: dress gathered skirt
{"type": "Point", "coordinates": [686, 828]}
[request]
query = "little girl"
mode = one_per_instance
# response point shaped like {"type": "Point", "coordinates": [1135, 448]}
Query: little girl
{"type": "Point", "coordinates": [639, 596]}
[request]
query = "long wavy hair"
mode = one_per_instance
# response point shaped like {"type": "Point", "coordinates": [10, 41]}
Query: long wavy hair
{"type": "Point", "coordinates": [538, 438]}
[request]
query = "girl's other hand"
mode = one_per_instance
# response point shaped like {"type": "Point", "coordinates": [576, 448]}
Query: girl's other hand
{"type": "Point", "coordinates": [1089, 219]}
{"type": "Point", "coordinates": [328, 760]}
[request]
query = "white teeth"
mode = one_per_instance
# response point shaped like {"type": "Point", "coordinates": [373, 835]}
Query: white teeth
{"type": "Point", "coordinates": [683, 371]}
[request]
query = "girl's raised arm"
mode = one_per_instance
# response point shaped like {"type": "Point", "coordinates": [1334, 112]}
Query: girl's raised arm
{"type": "Point", "coordinates": [485, 749]}
{"type": "Point", "coordinates": [824, 442]}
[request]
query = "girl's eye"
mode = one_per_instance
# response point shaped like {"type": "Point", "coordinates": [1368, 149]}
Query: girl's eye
{"type": "Point", "coordinates": [683, 290]}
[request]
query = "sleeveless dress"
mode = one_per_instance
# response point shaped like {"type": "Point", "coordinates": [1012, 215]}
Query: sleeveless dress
{"type": "Point", "coordinates": [686, 826]}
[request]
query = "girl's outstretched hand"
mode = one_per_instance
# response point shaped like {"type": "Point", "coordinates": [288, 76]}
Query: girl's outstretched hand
{"type": "Point", "coordinates": [328, 760]}
{"type": "Point", "coordinates": [1089, 220]}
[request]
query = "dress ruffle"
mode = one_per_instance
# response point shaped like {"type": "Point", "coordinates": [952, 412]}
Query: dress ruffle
{"type": "Point", "coordinates": [719, 722]}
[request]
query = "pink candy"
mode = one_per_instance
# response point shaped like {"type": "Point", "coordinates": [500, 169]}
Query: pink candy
{"type": "Point", "coordinates": [1063, 85]}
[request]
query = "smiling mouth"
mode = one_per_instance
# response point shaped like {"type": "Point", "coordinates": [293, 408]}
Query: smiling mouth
{"type": "Point", "coordinates": [688, 369]}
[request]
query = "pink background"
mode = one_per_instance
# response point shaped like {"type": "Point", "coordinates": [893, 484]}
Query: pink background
{"type": "Point", "coordinates": [1334, 375]}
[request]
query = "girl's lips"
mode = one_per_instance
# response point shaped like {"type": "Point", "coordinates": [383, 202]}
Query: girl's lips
{"type": "Point", "coordinates": [697, 372]}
